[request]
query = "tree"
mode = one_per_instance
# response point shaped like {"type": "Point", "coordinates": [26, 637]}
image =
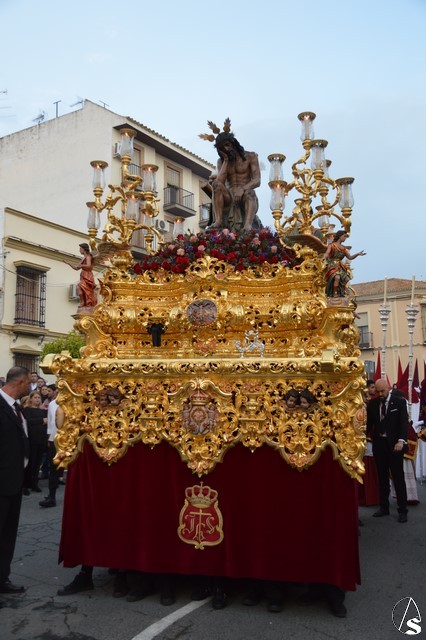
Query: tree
{"type": "Point", "coordinates": [72, 342]}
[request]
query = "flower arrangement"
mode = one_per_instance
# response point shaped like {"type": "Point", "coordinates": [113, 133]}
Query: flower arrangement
{"type": "Point", "coordinates": [242, 250]}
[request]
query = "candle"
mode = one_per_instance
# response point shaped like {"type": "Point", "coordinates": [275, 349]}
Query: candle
{"type": "Point", "coordinates": [412, 289]}
{"type": "Point", "coordinates": [386, 290]}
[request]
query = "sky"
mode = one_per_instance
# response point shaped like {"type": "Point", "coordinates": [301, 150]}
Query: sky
{"type": "Point", "coordinates": [360, 65]}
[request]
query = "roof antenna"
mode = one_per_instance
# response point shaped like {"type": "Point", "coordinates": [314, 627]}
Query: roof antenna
{"type": "Point", "coordinates": [79, 101]}
{"type": "Point", "coordinates": [41, 116]}
{"type": "Point", "coordinates": [56, 103]}
{"type": "Point", "coordinates": [104, 103]}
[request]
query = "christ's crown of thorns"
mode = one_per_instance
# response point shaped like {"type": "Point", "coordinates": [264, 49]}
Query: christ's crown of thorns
{"type": "Point", "coordinates": [209, 136]}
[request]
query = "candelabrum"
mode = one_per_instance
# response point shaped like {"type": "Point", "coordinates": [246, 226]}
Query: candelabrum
{"type": "Point", "coordinates": [411, 311]}
{"type": "Point", "coordinates": [313, 184]}
{"type": "Point", "coordinates": [133, 200]}
{"type": "Point", "coordinates": [384, 312]}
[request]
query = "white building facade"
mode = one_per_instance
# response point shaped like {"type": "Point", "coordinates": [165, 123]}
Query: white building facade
{"type": "Point", "coordinates": [45, 182]}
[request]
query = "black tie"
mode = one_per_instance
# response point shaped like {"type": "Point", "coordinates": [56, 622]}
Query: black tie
{"type": "Point", "coordinates": [382, 416]}
{"type": "Point", "coordinates": [22, 430]}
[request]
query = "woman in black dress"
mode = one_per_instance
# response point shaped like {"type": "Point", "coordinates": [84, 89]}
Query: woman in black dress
{"type": "Point", "coordinates": [36, 418]}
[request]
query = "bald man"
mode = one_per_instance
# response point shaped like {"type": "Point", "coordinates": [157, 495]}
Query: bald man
{"type": "Point", "coordinates": [387, 425]}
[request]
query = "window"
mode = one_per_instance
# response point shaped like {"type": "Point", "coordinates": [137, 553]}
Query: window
{"type": "Point", "coordinates": [27, 360]}
{"type": "Point", "coordinates": [137, 162]}
{"type": "Point", "coordinates": [370, 369]}
{"type": "Point", "coordinates": [30, 299]}
{"type": "Point", "coordinates": [173, 184]}
{"type": "Point", "coordinates": [206, 204]}
{"type": "Point", "coordinates": [365, 336]}
{"type": "Point", "coordinates": [423, 317]}
{"type": "Point", "coordinates": [205, 211]}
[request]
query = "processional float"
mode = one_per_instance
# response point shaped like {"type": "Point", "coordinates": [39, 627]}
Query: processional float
{"type": "Point", "coordinates": [182, 455]}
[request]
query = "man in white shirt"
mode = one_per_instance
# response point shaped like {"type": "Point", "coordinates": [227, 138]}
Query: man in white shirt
{"type": "Point", "coordinates": [55, 419]}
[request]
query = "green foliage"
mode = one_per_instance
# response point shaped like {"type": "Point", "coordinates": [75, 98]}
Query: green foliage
{"type": "Point", "coordinates": [72, 342]}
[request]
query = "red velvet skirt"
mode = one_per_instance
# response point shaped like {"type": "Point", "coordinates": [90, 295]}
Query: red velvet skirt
{"type": "Point", "coordinates": [278, 523]}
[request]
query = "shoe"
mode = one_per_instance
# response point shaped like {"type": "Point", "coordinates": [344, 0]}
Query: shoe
{"type": "Point", "coordinates": [220, 599]}
{"type": "Point", "coordinates": [8, 587]}
{"type": "Point", "coordinates": [139, 593]}
{"type": "Point", "coordinates": [380, 513]}
{"type": "Point", "coordinates": [26, 492]}
{"type": "Point", "coordinates": [275, 605]}
{"type": "Point", "coordinates": [201, 594]}
{"type": "Point", "coordinates": [36, 489]}
{"type": "Point", "coordinates": [310, 597]}
{"type": "Point", "coordinates": [81, 582]}
{"type": "Point", "coordinates": [402, 517]}
{"type": "Point", "coordinates": [167, 595]}
{"type": "Point", "coordinates": [48, 502]}
{"type": "Point", "coordinates": [120, 587]}
{"type": "Point", "coordinates": [338, 609]}
{"type": "Point", "coordinates": [253, 598]}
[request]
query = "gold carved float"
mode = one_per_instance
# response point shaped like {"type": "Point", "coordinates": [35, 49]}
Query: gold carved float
{"type": "Point", "coordinates": [231, 345]}
{"type": "Point", "coordinates": [195, 391]}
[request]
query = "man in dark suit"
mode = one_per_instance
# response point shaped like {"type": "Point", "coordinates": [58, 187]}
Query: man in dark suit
{"type": "Point", "coordinates": [13, 457]}
{"type": "Point", "coordinates": [387, 425]}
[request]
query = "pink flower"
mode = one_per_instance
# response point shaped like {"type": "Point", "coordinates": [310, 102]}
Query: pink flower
{"type": "Point", "coordinates": [171, 247]}
{"type": "Point", "coordinates": [193, 238]}
{"type": "Point", "coordinates": [225, 232]}
{"type": "Point", "coordinates": [274, 248]}
{"type": "Point", "coordinates": [232, 236]}
{"type": "Point", "coordinates": [201, 247]}
{"type": "Point", "coordinates": [180, 252]}
{"type": "Point", "coordinates": [255, 242]}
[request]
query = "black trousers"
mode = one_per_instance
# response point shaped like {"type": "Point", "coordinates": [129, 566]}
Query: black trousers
{"type": "Point", "coordinates": [32, 470]}
{"type": "Point", "coordinates": [10, 509]}
{"type": "Point", "coordinates": [389, 462]}
{"type": "Point", "coordinates": [53, 470]}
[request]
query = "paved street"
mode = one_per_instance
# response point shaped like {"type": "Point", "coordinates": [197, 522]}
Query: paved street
{"type": "Point", "coordinates": [393, 566]}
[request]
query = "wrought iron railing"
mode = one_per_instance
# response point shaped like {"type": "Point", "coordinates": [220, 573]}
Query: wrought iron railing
{"type": "Point", "coordinates": [177, 196]}
{"type": "Point", "coordinates": [30, 297]}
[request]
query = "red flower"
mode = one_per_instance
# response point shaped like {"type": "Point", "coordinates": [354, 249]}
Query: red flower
{"type": "Point", "coordinates": [137, 268]}
{"type": "Point", "coordinates": [166, 265]}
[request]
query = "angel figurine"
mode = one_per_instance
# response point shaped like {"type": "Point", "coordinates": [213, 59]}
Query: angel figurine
{"type": "Point", "coordinates": [338, 273]}
{"type": "Point", "coordinates": [86, 286]}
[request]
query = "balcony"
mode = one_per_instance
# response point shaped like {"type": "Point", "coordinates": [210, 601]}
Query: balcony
{"type": "Point", "coordinates": [178, 202]}
{"type": "Point", "coordinates": [365, 338]}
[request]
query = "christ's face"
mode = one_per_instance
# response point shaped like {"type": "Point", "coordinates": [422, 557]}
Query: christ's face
{"type": "Point", "coordinates": [228, 149]}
